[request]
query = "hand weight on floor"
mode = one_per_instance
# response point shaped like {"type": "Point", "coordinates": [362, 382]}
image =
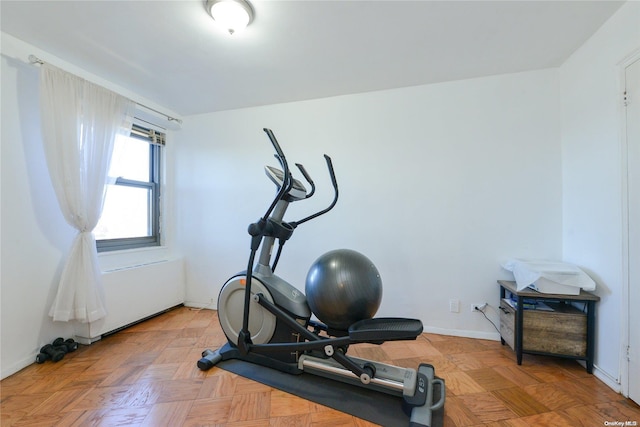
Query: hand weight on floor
{"type": "Point", "coordinates": [52, 352]}
{"type": "Point", "coordinates": [56, 351]}
{"type": "Point", "coordinates": [68, 346]}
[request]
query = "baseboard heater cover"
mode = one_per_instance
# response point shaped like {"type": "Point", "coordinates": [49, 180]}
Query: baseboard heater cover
{"type": "Point", "coordinates": [122, 328]}
{"type": "Point", "coordinates": [135, 294]}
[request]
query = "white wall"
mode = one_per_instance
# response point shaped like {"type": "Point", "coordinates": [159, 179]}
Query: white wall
{"type": "Point", "coordinates": [34, 233]}
{"type": "Point", "coordinates": [592, 171]}
{"type": "Point", "coordinates": [35, 237]}
{"type": "Point", "coordinates": [439, 184]}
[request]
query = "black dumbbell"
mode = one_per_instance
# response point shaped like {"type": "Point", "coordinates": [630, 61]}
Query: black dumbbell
{"type": "Point", "coordinates": [53, 352]}
{"type": "Point", "coordinates": [42, 357]}
{"type": "Point", "coordinates": [67, 346]}
{"type": "Point", "coordinates": [71, 345]}
{"type": "Point", "coordinates": [58, 344]}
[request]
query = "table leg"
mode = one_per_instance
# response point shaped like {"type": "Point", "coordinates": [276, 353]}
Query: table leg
{"type": "Point", "coordinates": [502, 295]}
{"type": "Point", "coordinates": [591, 326]}
{"type": "Point", "coordinates": [519, 327]}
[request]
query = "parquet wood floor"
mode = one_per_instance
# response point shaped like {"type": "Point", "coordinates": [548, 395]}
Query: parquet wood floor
{"type": "Point", "coordinates": [146, 375]}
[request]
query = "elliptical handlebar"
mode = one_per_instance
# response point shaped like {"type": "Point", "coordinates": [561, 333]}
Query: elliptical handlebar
{"type": "Point", "coordinates": [287, 184]}
{"type": "Point", "coordinates": [274, 142]}
{"type": "Point", "coordinates": [287, 180]}
{"type": "Point", "coordinates": [334, 182]}
{"type": "Point", "coordinates": [332, 173]}
{"type": "Point", "coordinates": [308, 178]}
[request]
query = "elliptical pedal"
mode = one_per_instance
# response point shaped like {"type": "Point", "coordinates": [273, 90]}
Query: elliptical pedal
{"type": "Point", "coordinates": [385, 329]}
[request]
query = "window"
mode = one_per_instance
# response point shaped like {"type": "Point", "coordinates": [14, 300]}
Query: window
{"type": "Point", "coordinates": [131, 213]}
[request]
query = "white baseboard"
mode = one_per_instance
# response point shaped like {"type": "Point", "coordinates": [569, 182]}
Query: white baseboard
{"type": "Point", "coordinates": [493, 336]}
{"type": "Point", "coordinates": [18, 366]}
{"type": "Point", "coordinates": [606, 378]}
{"type": "Point", "coordinates": [201, 305]}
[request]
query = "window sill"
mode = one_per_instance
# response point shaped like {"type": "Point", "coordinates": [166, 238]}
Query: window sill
{"type": "Point", "coordinates": [127, 258]}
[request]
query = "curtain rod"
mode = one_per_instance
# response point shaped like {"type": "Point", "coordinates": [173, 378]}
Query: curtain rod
{"type": "Point", "coordinates": [37, 61]}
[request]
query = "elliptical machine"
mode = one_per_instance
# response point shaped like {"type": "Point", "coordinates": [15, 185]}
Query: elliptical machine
{"type": "Point", "coordinates": [267, 321]}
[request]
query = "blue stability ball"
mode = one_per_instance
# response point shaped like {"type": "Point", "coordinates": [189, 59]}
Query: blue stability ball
{"type": "Point", "coordinates": [342, 287]}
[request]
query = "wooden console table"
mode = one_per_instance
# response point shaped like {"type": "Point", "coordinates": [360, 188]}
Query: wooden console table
{"type": "Point", "coordinates": [561, 330]}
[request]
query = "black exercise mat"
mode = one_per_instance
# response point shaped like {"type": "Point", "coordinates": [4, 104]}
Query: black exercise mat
{"type": "Point", "coordinates": [376, 407]}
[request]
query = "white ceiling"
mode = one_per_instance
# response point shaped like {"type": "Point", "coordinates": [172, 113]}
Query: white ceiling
{"type": "Point", "coordinates": [170, 52]}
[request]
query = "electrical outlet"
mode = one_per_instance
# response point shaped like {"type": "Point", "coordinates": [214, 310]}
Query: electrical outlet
{"type": "Point", "coordinates": [454, 306]}
{"type": "Point", "coordinates": [478, 306]}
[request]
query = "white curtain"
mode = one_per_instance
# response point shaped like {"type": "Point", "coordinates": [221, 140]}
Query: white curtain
{"type": "Point", "coordinates": [80, 122]}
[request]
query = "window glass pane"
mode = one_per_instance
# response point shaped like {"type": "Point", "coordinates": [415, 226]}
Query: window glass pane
{"type": "Point", "coordinates": [126, 213]}
{"type": "Point", "coordinates": [130, 159]}
{"type": "Point", "coordinates": [131, 216]}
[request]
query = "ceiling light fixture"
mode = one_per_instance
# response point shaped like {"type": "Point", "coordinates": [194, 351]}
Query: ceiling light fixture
{"type": "Point", "coordinates": [231, 15]}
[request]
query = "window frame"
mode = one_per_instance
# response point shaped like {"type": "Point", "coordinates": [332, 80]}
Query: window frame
{"type": "Point", "coordinates": [156, 142]}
